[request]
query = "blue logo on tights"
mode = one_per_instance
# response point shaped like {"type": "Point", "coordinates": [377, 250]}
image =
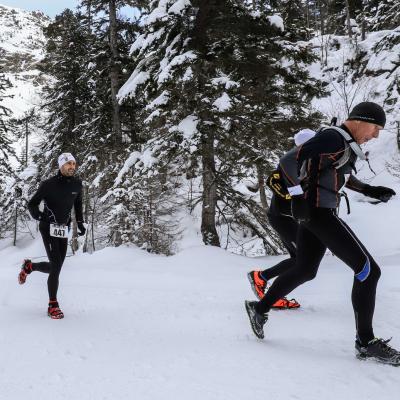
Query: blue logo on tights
{"type": "Point", "coordinates": [363, 275]}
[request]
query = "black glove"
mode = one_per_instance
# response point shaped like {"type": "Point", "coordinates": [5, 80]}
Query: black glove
{"type": "Point", "coordinates": [81, 229]}
{"type": "Point", "coordinates": [381, 193]}
{"type": "Point", "coordinates": [300, 208]}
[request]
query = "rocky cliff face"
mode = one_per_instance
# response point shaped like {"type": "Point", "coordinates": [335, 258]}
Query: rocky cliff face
{"type": "Point", "coordinates": [21, 48]}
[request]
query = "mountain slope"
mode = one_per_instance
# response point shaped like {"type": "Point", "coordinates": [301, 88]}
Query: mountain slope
{"type": "Point", "coordinates": [21, 48]}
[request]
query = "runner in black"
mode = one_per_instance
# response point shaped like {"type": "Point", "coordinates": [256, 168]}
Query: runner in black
{"type": "Point", "coordinates": [282, 221]}
{"type": "Point", "coordinates": [59, 194]}
{"type": "Point", "coordinates": [280, 218]}
{"type": "Point", "coordinates": [313, 181]}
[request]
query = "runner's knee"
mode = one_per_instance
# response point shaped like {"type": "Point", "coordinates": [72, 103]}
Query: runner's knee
{"type": "Point", "coordinates": [369, 271]}
{"type": "Point", "coordinates": [308, 275]}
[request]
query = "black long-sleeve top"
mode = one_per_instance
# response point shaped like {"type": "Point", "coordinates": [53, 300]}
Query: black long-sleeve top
{"type": "Point", "coordinates": [318, 156]}
{"type": "Point", "coordinates": [59, 194]}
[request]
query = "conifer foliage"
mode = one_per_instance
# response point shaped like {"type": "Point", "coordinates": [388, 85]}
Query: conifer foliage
{"type": "Point", "coordinates": [221, 86]}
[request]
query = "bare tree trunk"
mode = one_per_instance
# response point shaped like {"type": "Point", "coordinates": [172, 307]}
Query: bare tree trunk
{"type": "Point", "coordinates": [74, 239]}
{"type": "Point", "coordinates": [26, 142]}
{"type": "Point", "coordinates": [308, 18]}
{"type": "Point", "coordinates": [398, 134]}
{"type": "Point", "coordinates": [363, 23]}
{"type": "Point", "coordinates": [209, 196]}
{"type": "Point", "coordinates": [86, 214]}
{"type": "Point", "coordinates": [322, 16]}
{"type": "Point", "coordinates": [89, 14]}
{"type": "Point", "coordinates": [349, 28]}
{"type": "Point", "coordinates": [15, 223]}
{"type": "Point", "coordinates": [208, 229]}
{"type": "Point", "coordinates": [114, 71]}
{"type": "Point", "coordinates": [261, 185]}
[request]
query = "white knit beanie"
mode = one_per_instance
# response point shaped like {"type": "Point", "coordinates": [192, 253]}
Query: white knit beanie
{"type": "Point", "coordinates": [64, 158]}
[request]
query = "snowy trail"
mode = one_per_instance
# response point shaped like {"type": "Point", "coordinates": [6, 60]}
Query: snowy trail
{"type": "Point", "coordinates": [150, 327]}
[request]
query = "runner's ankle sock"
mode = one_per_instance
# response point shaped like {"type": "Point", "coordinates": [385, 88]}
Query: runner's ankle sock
{"type": "Point", "coordinates": [53, 303]}
{"type": "Point", "coordinates": [364, 339]}
{"type": "Point", "coordinates": [28, 266]}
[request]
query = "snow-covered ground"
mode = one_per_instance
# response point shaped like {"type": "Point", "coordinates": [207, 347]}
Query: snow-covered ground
{"type": "Point", "coordinates": [140, 326]}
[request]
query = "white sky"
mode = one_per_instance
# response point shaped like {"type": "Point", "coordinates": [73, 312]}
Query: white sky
{"type": "Point", "coordinates": [49, 7]}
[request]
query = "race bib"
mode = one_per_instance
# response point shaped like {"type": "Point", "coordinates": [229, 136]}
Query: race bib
{"type": "Point", "coordinates": [58, 231]}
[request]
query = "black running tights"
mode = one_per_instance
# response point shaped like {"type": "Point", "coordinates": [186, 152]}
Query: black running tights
{"type": "Point", "coordinates": [326, 230]}
{"type": "Point", "coordinates": [56, 249]}
{"type": "Point", "coordinates": [286, 227]}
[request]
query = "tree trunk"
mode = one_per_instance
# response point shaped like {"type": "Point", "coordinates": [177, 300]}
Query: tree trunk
{"type": "Point", "coordinates": [74, 240]}
{"type": "Point", "coordinates": [114, 71]}
{"type": "Point", "coordinates": [308, 18]}
{"type": "Point", "coordinates": [261, 185]}
{"type": "Point", "coordinates": [86, 209]}
{"type": "Point", "coordinates": [15, 223]}
{"type": "Point", "coordinates": [208, 229]}
{"type": "Point", "coordinates": [349, 28]}
{"type": "Point", "coordinates": [89, 15]}
{"type": "Point", "coordinates": [26, 142]}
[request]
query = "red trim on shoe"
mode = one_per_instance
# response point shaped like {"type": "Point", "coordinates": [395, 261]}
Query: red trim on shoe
{"type": "Point", "coordinates": [26, 269]}
{"type": "Point", "coordinates": [258, 283]}
{"type": "Point", "coordinates": [285, 304]}
{"type": "Point", "coordinates": [55, 313]}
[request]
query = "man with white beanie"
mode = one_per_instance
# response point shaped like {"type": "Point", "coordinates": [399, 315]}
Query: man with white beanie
{"type": "Point", "coordinates": [58, 194]}
{"type": "Point", "coordinates": [281, 219]}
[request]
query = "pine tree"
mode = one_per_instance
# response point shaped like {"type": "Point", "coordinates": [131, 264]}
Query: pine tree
{"type": "Point", "coordinates": [7, 173]}
{"type": "Point", "coordinates": [6, 150]}
{"type": "Point", "coordinates": [382, 15]}
{"type": "Point", "coordinates": [67, 98]}
{"type": "Point", "coordinates": [222, 88]}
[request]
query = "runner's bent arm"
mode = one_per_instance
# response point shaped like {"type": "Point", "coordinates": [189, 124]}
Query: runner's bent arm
{"type": "Point", "coordinates": [33, 204]}
{"type": "Point", "coordinates": [78, 207]}
{"type": "Point", "coordinates": [354, 184]}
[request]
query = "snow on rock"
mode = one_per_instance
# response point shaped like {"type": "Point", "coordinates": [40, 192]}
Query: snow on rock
{"type": "Point", "coordinates": [22, 31]}
{"type": "Point", "coordinates": [223, 103]}
{"type": "Point", "coordinates": [374, 59]}
{"type": "Point", "coordinates": [277, 21]}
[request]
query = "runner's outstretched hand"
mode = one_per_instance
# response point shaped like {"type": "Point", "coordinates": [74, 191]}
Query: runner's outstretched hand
{"type": "Point", "coordinates": [381, 193]}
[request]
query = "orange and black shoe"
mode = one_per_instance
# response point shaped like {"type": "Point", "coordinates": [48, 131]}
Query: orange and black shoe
{"type": "Point", "coordinates": [26, 269]}
{"type": "Point", "coordinates": [258, 284]}
{"type": "Point", "coordinates": [54, 311]}
{"type": "Point", "coordinates": [285, 304]}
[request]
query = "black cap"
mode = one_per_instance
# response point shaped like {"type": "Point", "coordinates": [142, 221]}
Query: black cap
{"type": "Point", "coordinates": [368, 112]}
